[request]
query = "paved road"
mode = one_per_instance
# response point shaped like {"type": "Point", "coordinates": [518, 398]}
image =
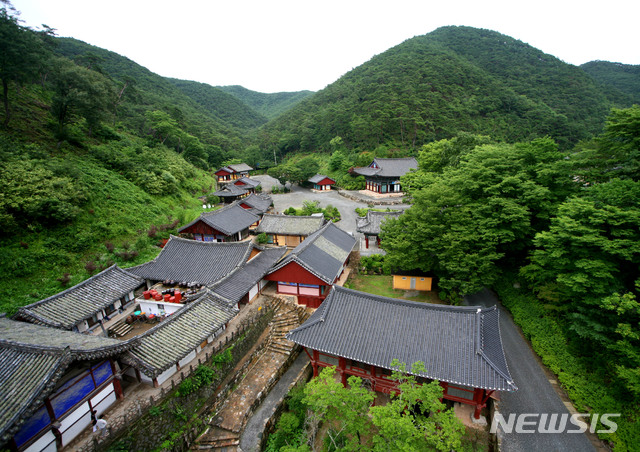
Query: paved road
{"type": "Point", "coordinates": [535, 394]}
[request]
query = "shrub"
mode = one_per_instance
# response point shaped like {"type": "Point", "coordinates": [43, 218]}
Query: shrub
{"type": "Point", "coordinates": [90, 267]}
{"type": "Point", "coordinates": [64, 280]}
{"type": "Point", "coordinates": [262, 238]}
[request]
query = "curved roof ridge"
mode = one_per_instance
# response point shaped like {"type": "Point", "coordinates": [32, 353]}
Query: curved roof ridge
{"type": "Point", "coordinates": [92, 278]}
{"type": "Point", "coordinates": [505, 373]}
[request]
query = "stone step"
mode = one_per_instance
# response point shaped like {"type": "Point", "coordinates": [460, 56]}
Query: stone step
{"type": "Point", "coordinates": [120, 328]}
{"type": "Point", "coordinates": [279, 347]}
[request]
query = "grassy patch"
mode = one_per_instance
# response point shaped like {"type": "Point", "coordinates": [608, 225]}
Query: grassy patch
{"type": "Point", "coordinates": [383, 285]}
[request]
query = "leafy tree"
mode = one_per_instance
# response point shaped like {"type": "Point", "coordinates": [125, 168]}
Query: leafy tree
{"type": "Point", "coordinates": [483, 212]}
{"type": "Point", "coordinates": [586, 265]}
{"type": "Point", "coordinates": [21, 55]}
{"type": "Point", "coordinates": [621, 141]}
{"type": "Point", "coordinates": [345, 408]}
{"type": "Point", "coordinates": [415, 419]}
{"type": "Point", "coordinates": [79, 91]}
{"type": "Point", "coordinates": [33, 193]}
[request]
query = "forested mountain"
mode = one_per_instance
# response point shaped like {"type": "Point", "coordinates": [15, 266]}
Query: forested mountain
{"type": "Point", "coordinates": [622, 77]}
{"type": "Point", "coordinates": [453, 79]}
{"type": "Point", "coordinates": [269, 105]}
{"type": "Point", "coordinates": [146, 91]}
{"type": "Point", "coordinates": [224, 106]}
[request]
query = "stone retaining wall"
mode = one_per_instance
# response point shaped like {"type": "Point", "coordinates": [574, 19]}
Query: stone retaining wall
{"type": "Point", "coordinates": [374, 201]}
{"type": "Point", "coordinates": [270, 422]}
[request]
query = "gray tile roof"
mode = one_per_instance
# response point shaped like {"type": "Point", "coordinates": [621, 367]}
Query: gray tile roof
{"type": "Point", "coordinates": [195, 261]}
{"type": "Point", "coordinates": [80, 302]}
{"type": "Point", "coordinates": [229, 220]}
{"type": "Point", "coordinates": [170, 341]}
{"type": "Point", "coordinates": [240, 167]}
{"type": "Point", "coordinates": [323, 253]}
{"type": "Point", "coordinates": [259, 203]}
{"type": "Point", "coordinates": [230, 190]}
{"type": "Point", "coordinates": [238, 283]}
{"type": "Point", "coordinates": [319, 178]}
{"type": "Point", "coordinates": [248, 182]}
{"type": "Point", "coordinates": [372, 222]}
{"type": "Point", "coordinates": [460, 345]}
{"type": "Point", "coordinates": [289, 224]}
{"type": "Point", "coordinates": [82, 346]}
{"type": "Point", "coordinates": [32, 360]}
{"type": "Point", "coordinates": [392, 168]}
{"type": "Point", "coordinates": [26, 378]}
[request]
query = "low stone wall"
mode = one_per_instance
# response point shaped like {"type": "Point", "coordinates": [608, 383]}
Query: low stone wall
{"type": "Point", "coordinates": [270, 422]}
{"type": "Point", "coordinates": [374, 201]}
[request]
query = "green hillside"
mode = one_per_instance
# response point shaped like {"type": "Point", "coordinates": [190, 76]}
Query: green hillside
{"type": "Point", "coordinates": [146, 91]}
{"type": "Point", "coordinates": [269, 105]}
{"type": "Point", "coordinates": [623, 77]}
{"type": "Point", "coordinates": [224, 106]}
{"type": "Point", "coordinates": [99, 162]}
{"type": "Point", "coordinates": [433, 86]}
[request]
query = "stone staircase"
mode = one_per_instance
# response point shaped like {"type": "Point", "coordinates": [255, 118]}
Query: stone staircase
{"type": "Point", "coordinates": [283, 322]}
{"type": "Point", "coordinates": [120, 328]}
{"type": "Point", "coordinates": [262, 373]}
{"type": "Point", "coordinates": [219, 439]}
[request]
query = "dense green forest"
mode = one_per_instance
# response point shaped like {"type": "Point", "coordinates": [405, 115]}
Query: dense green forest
{"type": "Point", "coordinates": [453, 79]}
{"type": "Point", "coordinates": [269, 105]}
{"type": "Point", "coordinates": [624, 78]}
{"type": "Point", "coordinates": [527, 218]}
{"type": "Point", "coordinates": [528, 180]}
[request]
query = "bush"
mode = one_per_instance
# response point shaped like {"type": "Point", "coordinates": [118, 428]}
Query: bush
{"type": "Point", "coordinates": [374, 264]}
{"type": "Point", "coordinates": [262, 238]}
{"type": "Point", "coordinates": [332, 213]}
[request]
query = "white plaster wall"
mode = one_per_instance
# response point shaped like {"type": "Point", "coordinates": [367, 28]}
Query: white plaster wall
{"type": "Point", "coordinates": [187, 359]}
{"type": "Point", "coordinates": [46, 443]}
{"type": "Point", "coordinates": [164, 376]}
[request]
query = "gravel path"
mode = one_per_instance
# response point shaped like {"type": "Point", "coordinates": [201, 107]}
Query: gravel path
{"type": "Point", "coordinates": [535, 393]}
{"type": "Point", "coordinates": [298, 195]}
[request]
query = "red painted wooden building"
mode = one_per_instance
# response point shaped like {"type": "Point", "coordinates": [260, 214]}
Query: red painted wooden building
{"type": "Point", "coordinates": [314, 266]}
{"type": "Point", "coordinates": [361, 334]}
{"type": "Point", "coordinates": [233, 172]}
{"type": "Point", "coordinates": [229, 224]}
{"type": "Point", "coordinates": [321, 182]}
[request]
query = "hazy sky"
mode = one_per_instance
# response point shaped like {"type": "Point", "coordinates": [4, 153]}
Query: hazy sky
{"type": "Point", "coordinates": [292, 45]}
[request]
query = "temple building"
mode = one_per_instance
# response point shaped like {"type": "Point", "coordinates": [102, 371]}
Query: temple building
{"type": "Point", "coordinates": [361, 334]}
{"type": "Point", "coordinates": [383, 175]}
{"type": "Point", "coordinates": [311, 268]}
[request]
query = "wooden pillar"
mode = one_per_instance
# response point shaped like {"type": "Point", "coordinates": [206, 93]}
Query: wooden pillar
{"type": "Point", "coordinates": [314, 362]}
{"type": "Point", "coordinates": [366, 241]}
{"type": "Point", "coordinates": [342, 366]}
{"type": "Point", "coordinates": [477, 401]}
{"type": "Point", "coordinates": [117, 385]}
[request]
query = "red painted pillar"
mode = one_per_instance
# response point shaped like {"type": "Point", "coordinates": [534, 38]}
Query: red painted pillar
{"type": "Point", "coordinates": [314, 362]}
{"type": "Point", "coordinates": [342, 365]}
{"type": "Point", "coordinates": [477, 400]}
{"type": "Point", "coordinates": [117, 385]}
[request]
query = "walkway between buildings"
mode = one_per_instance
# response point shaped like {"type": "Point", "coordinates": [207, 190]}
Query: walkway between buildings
{"type": "Point", "coordinates": [228, 423]}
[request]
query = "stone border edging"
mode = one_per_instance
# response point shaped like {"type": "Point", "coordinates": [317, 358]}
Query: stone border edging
{"type": "Point", "coordinates": [303, 376]}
